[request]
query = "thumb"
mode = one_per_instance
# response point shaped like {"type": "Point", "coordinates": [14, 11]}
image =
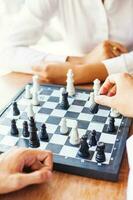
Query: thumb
{"type": "Point", "coordinates": [40, 176]}
{"type": "Point", "coordinates": [104, 100]}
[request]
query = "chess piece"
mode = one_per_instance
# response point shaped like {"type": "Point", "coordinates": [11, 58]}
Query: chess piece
{"type": "Point", "coordinates": [35, 101]}
{"type": "Point", "coordinates": [74, 136]}
{"type": "Point", "coordinates": [64, 104]}
{"type": "Point", "coordinates": [14, 130]}
{"type": "Point", "coordinates": [34, 140]}
{"type": "Point", "coordinates": [28, 94]}
{"type": "Point", "coordinates": [16, 111]}
{"type": "Point", "coordinates": [36, 86]}
{"type": "Point", "coordinates": [92, 139]}
{"type": "Point", "coordinates": [114, 113]}
{"type": "Point", "coordinates": [30, 111]}
{"type": "Point", "coordinates": [84, 148]}
{"type": "Point", "coordinates": [94, 107]}
{"type": "Point", "coordinates": [43, 134]}
{"type": "Point", "coordinates": [96, 86]}
{"type": "Point", "coordinates": [70, 83]}
{"type": "Point", "coordinates": [100, 156]}
{"type": "Point", "coordinates": [63, 126]}
{"type": "Point", "coordinates": [91, 98]}
{"type": "Point", "coordinates": [62, 91]}
{"type": "Point", "coordinates": [111, 126]}
{"type": "Point", "coordinates": [25, 131]}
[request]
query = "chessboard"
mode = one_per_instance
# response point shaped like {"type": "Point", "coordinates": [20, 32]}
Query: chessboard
{"type": "Point", "coordinates": [66, 156]}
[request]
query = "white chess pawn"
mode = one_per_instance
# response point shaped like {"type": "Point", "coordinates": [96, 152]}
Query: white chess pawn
{"type": "Point", "coordinates": [96, 87]}
{"type": "Point", "coordinates": [30, 111]}
{"type": "Point", "coordinates": [35, 101]}
{"type": "Point", "coordinates": [91, 99]}
{"type": "Point", "coordinates": [63, 126]}
{"type": "Point", "coordinates": [114, 113]}
{"type": "Point", "coordinates": [36, 86]}
{"type": "Point", "coordinates": [62, 90]}
{"type": "Point", "coordinates": [74, 136]}
{"type": "Point", "coordinates": [28, 94]}
{"type": "Point", "coordinates": [70, 83]}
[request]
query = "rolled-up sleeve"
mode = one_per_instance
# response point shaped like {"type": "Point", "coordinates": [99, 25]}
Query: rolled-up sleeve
{"type": "Point", "coordinates": [123, 63]}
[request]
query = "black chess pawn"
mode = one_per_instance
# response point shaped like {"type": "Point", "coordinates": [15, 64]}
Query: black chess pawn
{"type": "Point", "coordinates": [84, 148]}
{"type": "Point", "coordinates": [34, 140]}
{"type": "Point", "coordinates": [25, 130]}
{"type": "Point", "coordinates": [43, 133]}
{"type": "Point", "coordinates": [94, 107]}
{"type": "Point", "coordinates": [64, 104]}
{"type": "Point", "coordinates": [100, 155]}
{"type": "Point", "coordinates": [14, 130]}
{"type": "Point", "coordinates": [92, 139]}
{"type": "Point", "coordinates": [111, 126]}
{"type": "Point", "coordinates": [16, 111]}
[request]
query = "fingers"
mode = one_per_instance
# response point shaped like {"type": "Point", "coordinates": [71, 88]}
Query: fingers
{"type": "Point", "coordinates": [112, 91]}
{"type": "Point", "coordinates": [119, 46]}
{"type": "Point", "coordinates": [105, 101]}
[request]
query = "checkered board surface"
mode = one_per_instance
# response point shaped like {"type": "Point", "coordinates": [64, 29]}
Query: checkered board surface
{"type": "Point", "coordinates": [65, 155]}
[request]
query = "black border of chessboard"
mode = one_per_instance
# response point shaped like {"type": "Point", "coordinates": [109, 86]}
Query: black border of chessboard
{"type": "Point", "coordinates": [86, 168]}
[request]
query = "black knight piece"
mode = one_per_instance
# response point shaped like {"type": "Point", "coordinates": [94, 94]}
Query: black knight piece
{"type": "Point", "coordinates": [25, 130]}
{"type": "Point", "coordinates": [14, 129]}
{"type": "Point", "coordinates": [100, 156]}
{"type": "Point", "coordinates": [84, 148]}
{"type": "Point", "coordinates": [34, 140]}
{"type": "Point", "coordinates": [16, 111]}
{"type": "Point", "coordinates": [43, 133]}
{"type": "Point", "coordinates": [92, 138]}
{"type": "Point", "coordinates": [111, 126]}
{"type": "Point", "coordinates": [64, 104]}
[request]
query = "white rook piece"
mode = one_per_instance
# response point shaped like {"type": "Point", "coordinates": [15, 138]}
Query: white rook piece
{"type": "Point", "coordinates": [28, 94]}
{"type": "Point", "coordinates": [36, 86]}
{"type": "Point", "coordinates": [96, 86]}
{"type": "Point", "coordinates": [30, 111]}
{"type": "Point", "coordinates": [63, 126]}
{"type": "Point", "coordinates": [70, 83]}
{"type": "Point", "coordinates": [35, 101]}
{"type": "Point", "coordinates": [74, 136]}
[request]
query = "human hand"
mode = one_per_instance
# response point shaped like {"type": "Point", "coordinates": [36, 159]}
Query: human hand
{"type": "Point", "coordinates": [117, 92]}
{"type": "Point", "coordinates": [13, 164]}
{"type": "Point", "coordinates": [103, 51]}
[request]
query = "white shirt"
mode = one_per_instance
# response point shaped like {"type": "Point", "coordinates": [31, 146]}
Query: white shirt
{"type": "Point", "coordinates": [85, 24]}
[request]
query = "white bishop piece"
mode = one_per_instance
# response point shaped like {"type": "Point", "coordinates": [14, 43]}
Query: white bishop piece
{"type": "Point", "coordinates": [74, 136]}
{"type": "Point", "coordinates": [35, 101]}
{"type": "Point", "coordinates": [96, 86]}
{"type": "Point", "coordinates": [28, 94]}
{"type": "Point", "coordinates": [30, 111]}
{"type": "Point", "coordinates": [63, 126]}
{"type": "Point", "coordinates": [70, 83]}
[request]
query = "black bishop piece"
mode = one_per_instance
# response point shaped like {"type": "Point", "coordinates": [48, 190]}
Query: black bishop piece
{"type": "Point", "coordinates": [16, 111]}
{"type": "Point", "coordinates": [111, 126]}
{"type": "Point", "coordinates": [34, 140]}
{"type": "Point", "coordinates": [14, 129]}
{"type": "Point", "coordinates": [43, 133]}
{"type": "Point", "coordinates": [92, 139]}
{"type": "Point", "coordinates": [64, 104]}
{"type": "Point", "coordinates": [100, 156]}
{"type": "Point", "coordinates": [84, 148]}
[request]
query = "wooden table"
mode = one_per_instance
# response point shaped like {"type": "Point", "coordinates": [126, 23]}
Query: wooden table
{"type": "Point", "coordinates": [63, 186]}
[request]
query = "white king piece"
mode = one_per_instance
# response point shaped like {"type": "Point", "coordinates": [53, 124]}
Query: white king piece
{"type": "Point", "coordinates": [70, 83]}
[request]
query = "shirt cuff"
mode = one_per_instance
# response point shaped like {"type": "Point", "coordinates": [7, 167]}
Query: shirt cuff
{"type": "Point", "coordinates": [116, 65]}
{"type": "Point", "coordinates": [55, 58]}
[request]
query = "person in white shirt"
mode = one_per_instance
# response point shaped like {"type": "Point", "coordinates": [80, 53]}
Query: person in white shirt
{"type": "Point", "coordinates": [117, 92]}
{"type": "Point", "coordinates": [98, 33]}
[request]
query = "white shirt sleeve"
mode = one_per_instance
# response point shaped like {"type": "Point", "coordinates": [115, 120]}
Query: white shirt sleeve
{"type": "Point", "coordinates": [123, 63]}
{"type": "Point", "coordinates": [28, 28]}
{"type": "Point", "coordinates": [130, 161]}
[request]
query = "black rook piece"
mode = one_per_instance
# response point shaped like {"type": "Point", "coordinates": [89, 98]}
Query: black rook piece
{"type": "Point", "coordinates": [92, 139]}
{"type": "Point", "coordinates": [64, 104]}
{"type": "Point", "coordinates": [14, 129]}
{"type": "Point", "coordinates": [34, 140]}
{"type": "Point", "coordinates": [16, 111]}
{"type": "Point", "coordinates": [43, 133]}
{"type": "Point", "coordinates": [111, 126]}
{"type": "Point", "coordinates": [94, 108]}
{"type": "Point", "coordinates": [84, 148]}
{"type": "Point", "coordinates": [100, 156]}
{"type": "Point", "coordinates": [25, 130]}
